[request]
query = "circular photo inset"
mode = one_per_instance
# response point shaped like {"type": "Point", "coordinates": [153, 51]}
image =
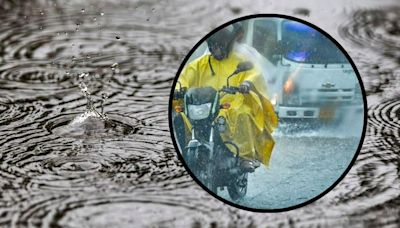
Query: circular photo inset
{"type": "Point", "coordinates": [267, 113]}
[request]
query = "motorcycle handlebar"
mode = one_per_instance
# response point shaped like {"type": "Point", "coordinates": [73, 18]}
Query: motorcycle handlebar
{"type": "Point", "coordinates": [230, 89]}
{"type": "Point", "coordinates": [180, 93]}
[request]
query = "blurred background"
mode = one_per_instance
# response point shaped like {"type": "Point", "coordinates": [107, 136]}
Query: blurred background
{"type": "Point", "coordinates": [131, 51]}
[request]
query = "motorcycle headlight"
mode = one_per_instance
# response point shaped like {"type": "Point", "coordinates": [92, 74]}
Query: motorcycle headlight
{"type": "Point", "coordinates": [199, 112]}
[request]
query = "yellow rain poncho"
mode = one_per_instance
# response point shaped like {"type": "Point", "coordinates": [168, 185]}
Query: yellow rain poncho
{"type": "Point", "coordinates": [250, 118]}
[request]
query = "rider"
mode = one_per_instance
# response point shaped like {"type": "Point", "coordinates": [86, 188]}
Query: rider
{"type": "Point", "coordinates": [251, 118]}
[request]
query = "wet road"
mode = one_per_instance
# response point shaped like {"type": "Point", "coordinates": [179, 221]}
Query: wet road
{"type": "Point", "coordinates": [301, 167]}
{"type": "Point", "coordinates": [50, 180]}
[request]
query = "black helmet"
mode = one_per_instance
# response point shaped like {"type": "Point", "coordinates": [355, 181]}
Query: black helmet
{"type": "Point", "coordinates": [220, 43]}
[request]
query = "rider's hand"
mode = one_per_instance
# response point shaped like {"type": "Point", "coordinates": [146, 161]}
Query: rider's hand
{"type": "Point", "coordinates": [244, 87]}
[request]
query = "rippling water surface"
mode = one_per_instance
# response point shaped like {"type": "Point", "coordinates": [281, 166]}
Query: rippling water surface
{"type": "Point", "coordinates": [131, 51]}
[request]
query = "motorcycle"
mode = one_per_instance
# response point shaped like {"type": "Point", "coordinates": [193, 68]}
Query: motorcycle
{"type": "Point", "coordinates": [206, 154]}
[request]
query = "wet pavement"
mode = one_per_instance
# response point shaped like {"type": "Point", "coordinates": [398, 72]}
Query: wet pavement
{"type": "Point", "coordinates": [49, 179]}
{"type": "Point", "coordinates": [301, 168]}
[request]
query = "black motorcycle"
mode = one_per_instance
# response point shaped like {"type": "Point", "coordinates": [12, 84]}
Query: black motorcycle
{"type": "Point", "coordinates": [206, 154]}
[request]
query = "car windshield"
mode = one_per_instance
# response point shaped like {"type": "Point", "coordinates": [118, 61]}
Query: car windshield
{"type": "Point", "coordinates": [302, 43]}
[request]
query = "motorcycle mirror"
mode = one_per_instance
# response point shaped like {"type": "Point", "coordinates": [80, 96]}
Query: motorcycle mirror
{"type": "Point", "coordinates": [180, 85]}
{"type": "Point", "coordinates": [242, 66]}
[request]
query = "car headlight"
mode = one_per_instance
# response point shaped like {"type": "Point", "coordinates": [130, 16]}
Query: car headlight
{"type": "Point", "coordinates": [198, 112]}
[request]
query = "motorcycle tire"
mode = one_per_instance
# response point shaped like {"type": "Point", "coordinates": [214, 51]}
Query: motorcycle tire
{"type": "Point", "coordinates": [211, 180]}
{"type": "Point", "coordinates": [237, 188]}
{"type": "Point", "coordinates": [190, 158]}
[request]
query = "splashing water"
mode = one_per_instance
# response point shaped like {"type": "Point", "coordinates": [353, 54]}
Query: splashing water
{"type": "Point", "coordinates": [91, 121]}
{"type": "Point", "coordinates": [104, 97]}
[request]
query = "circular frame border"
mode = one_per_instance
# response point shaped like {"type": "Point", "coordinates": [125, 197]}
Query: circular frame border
{"type": "Point", "coordinates": [188, 55]}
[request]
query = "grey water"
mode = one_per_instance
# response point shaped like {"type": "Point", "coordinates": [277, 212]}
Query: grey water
{"type": "Point", "coordinates": [53, 174]}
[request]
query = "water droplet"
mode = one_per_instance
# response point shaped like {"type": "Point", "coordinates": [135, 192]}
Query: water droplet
{"type": "Point", "coordinates": [67, 73]}
{"type": "Point", "coordinates": [101, 14]}
{"type": "Point", "coordinates": [83, 75]}
{"type": "Point", "coordinates": [41, 27]}
{"type": "Point", "coordinates": [41, 13]}
{"type": "Point", "coordinates": [114, 68]}
{"type": "Point", "coordinates": [83, 87]}
{"type": "Point", "coordinates": [117, 37]}
{"type": "Point", "coordinates": [153, 10]}
{"type": "Point", "coordinates": [104, 97]}
{"type": "Point", "coordinates": [82, 10]}
{"type": "Point", "coordinates": [95, 19]}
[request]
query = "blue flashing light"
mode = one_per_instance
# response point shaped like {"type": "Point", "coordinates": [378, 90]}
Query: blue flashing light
{"type": "Point", "coordinates": [298, 56]}
{"type": "Point", "coordinates": [297, 27]}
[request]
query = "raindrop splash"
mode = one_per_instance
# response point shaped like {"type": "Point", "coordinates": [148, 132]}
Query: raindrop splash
{"type": "Point", "coordinates": [104, 97]}
{"type": "Point", "coordinates": [115, 68]}
{"type": "Point", "coordinates": [86, 94]}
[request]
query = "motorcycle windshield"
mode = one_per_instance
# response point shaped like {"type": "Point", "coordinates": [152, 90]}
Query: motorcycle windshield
{"type": "Point", "coordinates": [306, 45]}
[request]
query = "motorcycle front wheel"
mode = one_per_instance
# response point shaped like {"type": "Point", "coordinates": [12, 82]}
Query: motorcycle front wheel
{"type": "Point", "coordinates": [211, 180]}
{"type": "Point", "coordinates": [237, 188]}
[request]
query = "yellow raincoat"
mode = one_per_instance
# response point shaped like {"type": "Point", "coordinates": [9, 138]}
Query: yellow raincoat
{"type": "Point", "coordinates": [250, 118]}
